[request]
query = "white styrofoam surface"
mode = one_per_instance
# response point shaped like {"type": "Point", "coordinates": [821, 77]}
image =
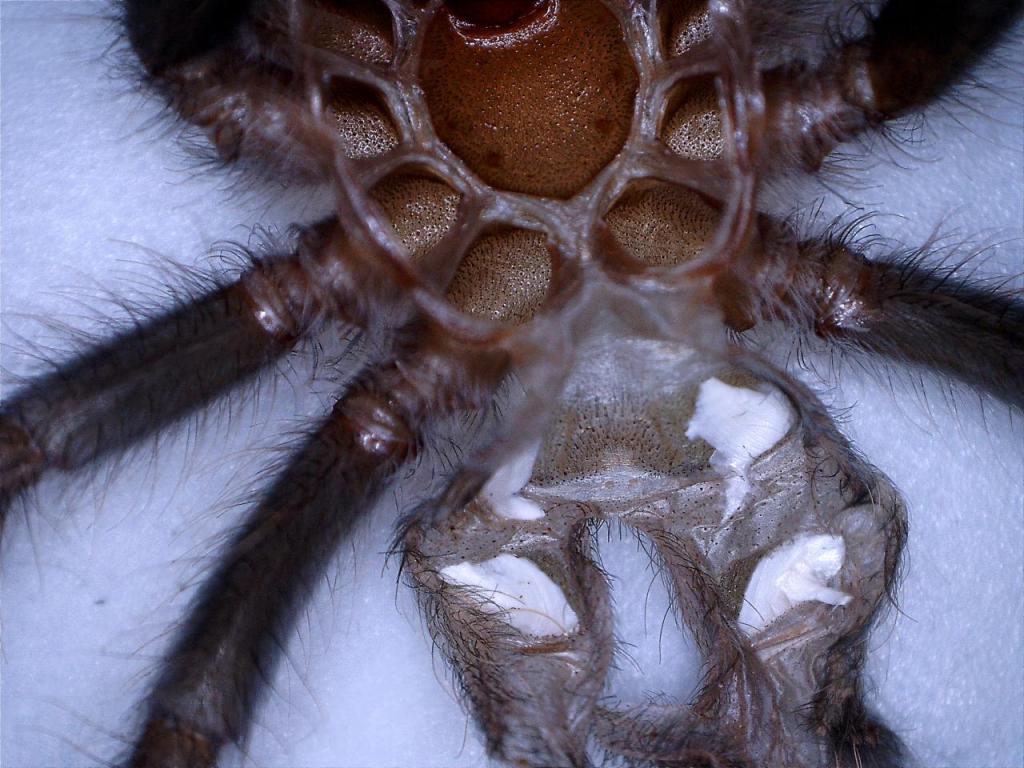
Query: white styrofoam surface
{"type": "Point", "coordinates": [98, 577]}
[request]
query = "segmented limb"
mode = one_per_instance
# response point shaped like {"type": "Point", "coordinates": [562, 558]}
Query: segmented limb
{"type": "Point", "coordinates": [910, 312]}
{"type": "Point", "coordinates": [159, 370]}
{"type": "Point", "coordinates": [166, 33]}
{"type": "Point", "coordinates": [218, 669]}
{"type": "Point", "coordinates": [216, 64]}
{"type": "Point", "coordinates": [729, 722]}
{"type": "Point", "coordinates": [914, 52]}
{"type": "Point", "coordinates": [533, 698]}
{"type": "Point", "coordinates": [219, 666]}
{"type": "Point", "coordinates": [903, 310]}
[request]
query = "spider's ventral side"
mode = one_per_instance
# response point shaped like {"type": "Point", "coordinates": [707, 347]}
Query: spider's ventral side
{"type": "Point", "coordinates": [554, 216]}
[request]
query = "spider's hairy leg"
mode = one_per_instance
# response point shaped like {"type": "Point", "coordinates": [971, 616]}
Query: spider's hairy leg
{"type": "Point", "coordinates": [158, 370]}
{"type": "Point", "coordinates": [169, 32]}
{"type": "Point", "coordinates": [728, 720]}
{"type": "Point", "coordinates": [909, 312]}
{"type": "Point", "coordinates": [918, 49]}
{"type": "Point", "coordinates": [199, 57]}
{"type": "Point", "coordinates": [901, 308]}
{"type": "Point", "coordinates": [219, 667]}
{"type": "Point", "coordinates": [914, 51]}
{"type": "Point", "coordinates": [533, 700]}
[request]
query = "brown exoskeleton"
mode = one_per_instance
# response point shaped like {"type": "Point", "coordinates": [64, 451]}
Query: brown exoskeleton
{"type": "Point", "coordinates": [593, 267]}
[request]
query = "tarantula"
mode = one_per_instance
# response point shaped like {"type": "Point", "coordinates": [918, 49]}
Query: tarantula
{"type": "Point", "coordinates": [668, 319]}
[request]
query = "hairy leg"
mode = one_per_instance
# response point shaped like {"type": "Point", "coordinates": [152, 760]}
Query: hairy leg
{"type": "Point", "coordinates": [906, 309]}
{"type": "Point", "coordinates": [225, 67]}
{"type": "Point", "coordinates": [216, 673]}
{"type": "Point", "coordinates": [170, 32]}
{"type": "Point", "coordinates": [158, 371]}
{"type": "Point", "coordinates": [914, 313]}
{"type": "Point", "coordinates": [914, 52]}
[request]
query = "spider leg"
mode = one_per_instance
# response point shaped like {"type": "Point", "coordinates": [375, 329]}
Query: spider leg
{"type": "Point", "coordinates": [908, 311]}
{"type": "Point", "coordinates": [223, 660]}
{"type": "Point", "coordinates": [220, 66]}
{"type": "Point", "coordinates": [157, 371]}
{"type": "Point", "coordinates": [902, 309]}
{"type": "Point", "coordinates": [169, 32]}
{"type": "Point", "coordinates": [730, 717]}
{"type": "Point", "coordinates": [533, 697]}
{"type": "Point", "coordinates": [914, 51]}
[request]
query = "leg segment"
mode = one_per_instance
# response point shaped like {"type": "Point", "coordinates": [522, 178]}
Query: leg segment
{"type": "Point", "coordinates": [157, 372]}
{"type": "Point", "coordinates": [905, 311]}
{"type": "Point", "coordinates": [169, 32]}
{"type": "Point", "coordinates": [915, 51]}
{"type": "Point", "coordinates": [919, 48]}
{"type": "Point", "coordinates": [225, 67]}
{"type": "Point", "coordinates": [533, 697]}
{"type": "Point", "coordinates": [909, 312]}
{"type": "Point", "coordinates": [218, 669]}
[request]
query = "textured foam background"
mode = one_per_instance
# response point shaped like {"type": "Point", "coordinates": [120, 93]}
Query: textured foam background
{"type": "Point", "coordinates": [96, 193]}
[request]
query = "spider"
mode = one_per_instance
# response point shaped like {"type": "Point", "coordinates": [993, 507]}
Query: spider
{"type": "Point", "coordinates": [257, 755]}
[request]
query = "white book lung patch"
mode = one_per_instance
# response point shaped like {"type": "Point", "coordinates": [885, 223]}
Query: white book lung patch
{"type": "Point", "coordinates": [740, 424]}
{"type": "Point", "coordinates": [515, 587]}
{"type": "Point", "coordinates": [794, 573]}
